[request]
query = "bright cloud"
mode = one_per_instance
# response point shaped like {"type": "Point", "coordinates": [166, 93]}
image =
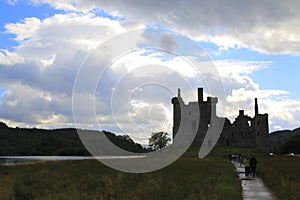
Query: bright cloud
{"type": "Point", "coordinates": [241, 91]}
{"type": "Point", "coordinates": [39, 74]}
{"type": "Point", "coordinates": [260, 25]}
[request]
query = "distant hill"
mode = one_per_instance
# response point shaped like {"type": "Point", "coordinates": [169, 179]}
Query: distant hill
{"type": "Point", "coordinates": [277, 138]}
{"type": "Point", "coordinates": [286, 141]}
{"type": "Point", "coordinates": [21, 141]}
{"type": "Point", "coordinates": [292, 144]}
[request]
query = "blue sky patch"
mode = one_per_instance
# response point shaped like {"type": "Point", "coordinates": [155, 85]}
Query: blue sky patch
{"type": "Point", "coordinates": [104, 14]}
{"type": "Point", "coordinates": [1, 93]}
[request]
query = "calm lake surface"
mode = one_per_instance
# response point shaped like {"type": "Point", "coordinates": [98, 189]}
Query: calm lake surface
{"type": "Point", "coordinates": [14, 160]}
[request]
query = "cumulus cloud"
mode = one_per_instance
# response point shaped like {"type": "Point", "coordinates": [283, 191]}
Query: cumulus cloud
{"type": "Point", "coordinates": [241, 90]}
{"type": "Point", "coordinates": [51, 50]}
{"type": "Point", "coordinates": [265, 26]}
{"type": "Point", "coordinates": [27, 105]}
{"type": "Point", "coordinates": [134, 93]}
{"type": "Point", "coordinates": [40, 73]}
{"type": "Point", "coordinates": [10, 58]}
{"type": "Point", "coordinates": [45, 64]}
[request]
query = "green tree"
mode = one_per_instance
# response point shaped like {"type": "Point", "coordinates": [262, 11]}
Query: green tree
{"type": "Point", "coordinates": [159, 140]}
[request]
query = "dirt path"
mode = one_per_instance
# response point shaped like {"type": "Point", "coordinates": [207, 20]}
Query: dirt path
{"type": "Point", "coordinates": [253, 188]}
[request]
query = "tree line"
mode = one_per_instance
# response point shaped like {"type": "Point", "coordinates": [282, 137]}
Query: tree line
{"type": "Point", "coordinates": [23, 141]}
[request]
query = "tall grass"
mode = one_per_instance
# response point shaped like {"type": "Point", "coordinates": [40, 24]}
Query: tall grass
{"type": "Point", "coordinates": [281, 175]}
{"type": "Point", "coordinates": [225, 151]}
{"type": "Point", "coordinates": [187, 178]}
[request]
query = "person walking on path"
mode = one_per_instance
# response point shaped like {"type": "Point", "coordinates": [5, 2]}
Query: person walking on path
{"type": "Point", "coordinates": [253, 163]}
{"type": "Point", "coordinates": [240, 160]}
{"type": "Point", "coordinates": [247, 166]}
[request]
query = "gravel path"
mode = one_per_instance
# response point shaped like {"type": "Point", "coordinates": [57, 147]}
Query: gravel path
{"type": "Point", "coordinates": [253, 188]}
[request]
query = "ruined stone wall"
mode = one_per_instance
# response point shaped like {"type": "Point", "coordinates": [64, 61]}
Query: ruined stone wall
{"type": "Point", "coordinates": [260, 123]}
{"type": "Point", "coordinates": [243, 132]}
{"type": "Point", "coordinates": [176, 115]}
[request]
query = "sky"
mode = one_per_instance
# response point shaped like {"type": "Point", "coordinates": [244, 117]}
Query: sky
{"type": "Point", "coordinates": [253, 47]}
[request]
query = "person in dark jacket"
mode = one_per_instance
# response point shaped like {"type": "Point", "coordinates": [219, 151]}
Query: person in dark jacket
{"type": "Point", "coordinates": [253, 164]}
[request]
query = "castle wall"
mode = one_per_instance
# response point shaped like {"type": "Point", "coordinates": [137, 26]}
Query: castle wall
{"type": "Point", "coordinates": [243, 132]}
{"type": "Point", "coordinates": [176, 115]}
{"type": "Point", "coordinates": [260, 123]}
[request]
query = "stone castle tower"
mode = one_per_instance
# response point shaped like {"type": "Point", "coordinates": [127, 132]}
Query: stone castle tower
{"type": "Point", "coordinates": [243, 132]}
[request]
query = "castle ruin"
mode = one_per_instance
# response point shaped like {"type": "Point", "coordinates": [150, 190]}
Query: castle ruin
{"type": "Point", "coordinates": [245, 131]}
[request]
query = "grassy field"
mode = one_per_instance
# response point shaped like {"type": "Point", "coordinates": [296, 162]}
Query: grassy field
{"type": "Point", "coordinates": [187, 178]}
{"type": "Point", "coordinates": [225, 151]}
{"type": "Point", "coordinates": [281, 175]}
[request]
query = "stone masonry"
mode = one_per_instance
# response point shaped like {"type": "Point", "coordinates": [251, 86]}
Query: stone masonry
{"type": "Point", "coordinates": [245, 131]}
